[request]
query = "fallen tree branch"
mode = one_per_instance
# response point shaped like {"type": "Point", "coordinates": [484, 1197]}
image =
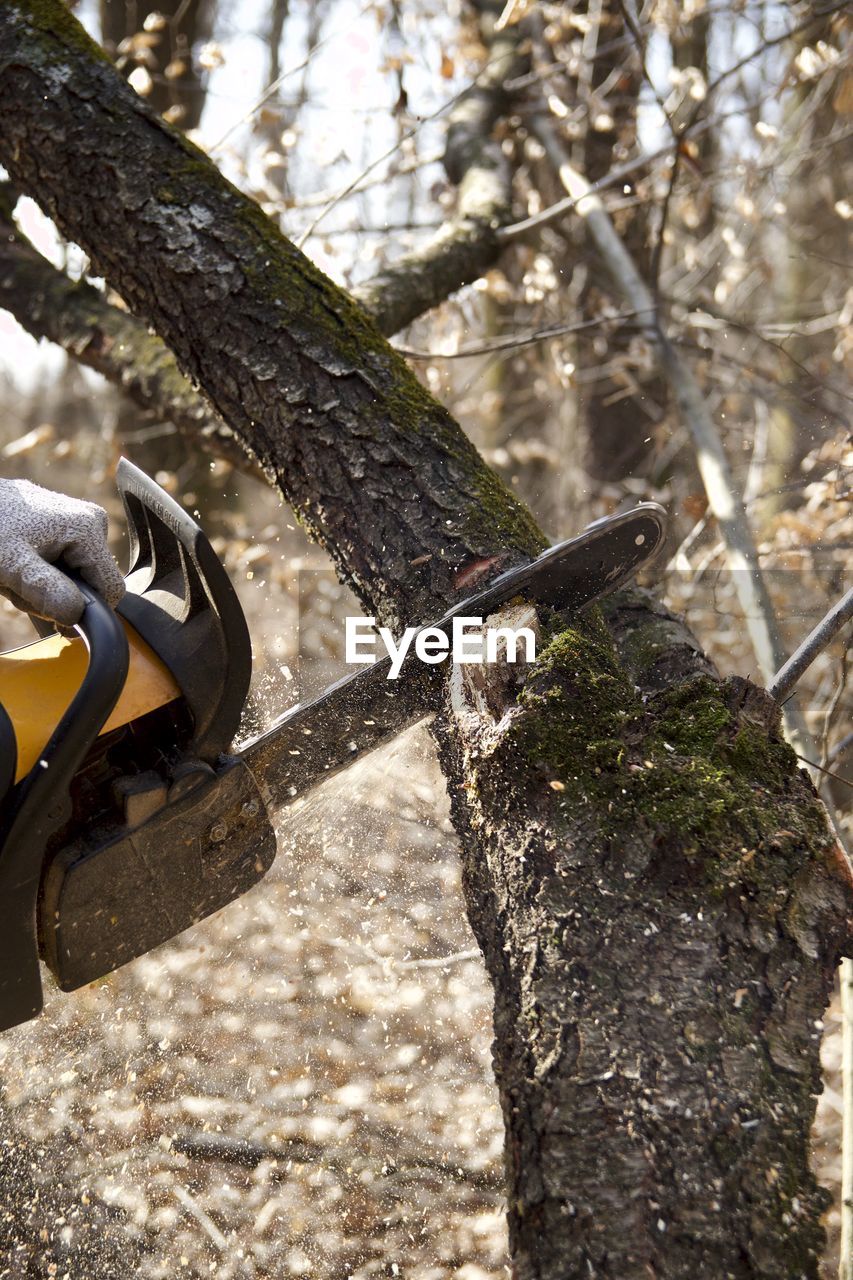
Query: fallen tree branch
{"type": "Point", "coordinates": [335, 417]}
{"type": "Point", "coordinates": [203, 1218]}
{"type": "Point", "coordinates": [248, 1155]}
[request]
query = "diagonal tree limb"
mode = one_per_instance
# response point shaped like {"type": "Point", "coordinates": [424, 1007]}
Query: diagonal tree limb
{"type": "Point", "coordinates": [786, 680]}
{"type": "Point", "coordinates": [114, 343]}
{"type": "Point", "coordinates": [295, 367]}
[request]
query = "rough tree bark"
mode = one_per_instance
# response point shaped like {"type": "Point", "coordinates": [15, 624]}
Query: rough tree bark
{"type": "Point", "coordinates": [657, 895]}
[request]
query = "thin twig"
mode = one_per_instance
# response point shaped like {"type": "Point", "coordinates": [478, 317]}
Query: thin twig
{"type": "Point", "coordinates": [789, 676]}
{"type": "Point", "coordinates": [320, 198]}
{"type": "Point", "coordinates": [770, 43]}
{"type": "Point", "coordinates": [700, 317]}
{"type": "Point", "coordinates": [555, 211]}
{"type": "Point", "coordinates": [203, 1219]}
{"type": "Point", "coordinates": [440, 962]}
{"type": "Point", "coordinates": [464, 248]}
{"type": "Point", "coordinates": [679, 559]}
{"type": "Point", "coordinates": [291, 71]}
{"type": "Point", "coordinates": [826, 773]}
{"type": "Point", "coordinates": [514, 340]}
{"type": "Point", "coordinates": [711, 458]}
{"type": "Point", "coordinates": [386, 155]}
{"type": "Point", "coordinates": [693, 126]}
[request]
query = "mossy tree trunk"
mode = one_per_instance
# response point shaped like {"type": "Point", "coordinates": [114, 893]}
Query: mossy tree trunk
{"type": "Point", "coordinates": [659, 901]}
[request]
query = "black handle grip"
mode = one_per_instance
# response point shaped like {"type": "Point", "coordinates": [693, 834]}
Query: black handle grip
{"type": "Point", "coordinates": [109, 657]}
{"type": "Point", "coordinates": [40, 804]}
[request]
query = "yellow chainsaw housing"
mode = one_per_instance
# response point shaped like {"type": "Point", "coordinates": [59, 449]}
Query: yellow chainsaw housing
{"type": "Point", "coordinates": [39, 680]}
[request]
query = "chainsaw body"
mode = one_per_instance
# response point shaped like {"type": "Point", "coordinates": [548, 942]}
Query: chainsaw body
{"type": "Point", "coordinates": [125, 821]}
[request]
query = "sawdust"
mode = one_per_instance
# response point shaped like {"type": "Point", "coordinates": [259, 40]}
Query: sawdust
{"type": "Point", "coordinates": [302, 1020]}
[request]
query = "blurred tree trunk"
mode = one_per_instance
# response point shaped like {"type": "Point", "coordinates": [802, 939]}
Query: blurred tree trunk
{"type": "Point", "coordinates": [658, 898]}
{"type": "Point", "coordinates": [814, 247]}
{"type": "Point", "coordinates": [165, 50]}
{"type": "Point", "coordinates": [619, 410]}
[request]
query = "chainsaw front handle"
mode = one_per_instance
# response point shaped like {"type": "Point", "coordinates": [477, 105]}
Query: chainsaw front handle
{"type": "Point", "coordinates": [101, 631]}
{"type": "Point", "coordinates": [41, 803]}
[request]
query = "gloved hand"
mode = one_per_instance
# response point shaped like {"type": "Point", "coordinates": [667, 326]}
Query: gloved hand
{"type": "Point", "coordinates": [38, 527]}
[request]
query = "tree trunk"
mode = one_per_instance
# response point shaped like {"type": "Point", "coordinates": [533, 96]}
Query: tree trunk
{"type": "Point", "coordinates": [652, 880]}
{"type": "Point", "coordinates": [180, 93]}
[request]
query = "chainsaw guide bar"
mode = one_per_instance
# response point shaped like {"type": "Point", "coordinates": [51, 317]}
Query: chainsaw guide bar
{"type": "Point", "coordinates": [130, 816]}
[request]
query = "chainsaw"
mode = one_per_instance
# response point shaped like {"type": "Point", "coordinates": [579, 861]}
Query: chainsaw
{"type": "Point", "coordinates": [126, 812]}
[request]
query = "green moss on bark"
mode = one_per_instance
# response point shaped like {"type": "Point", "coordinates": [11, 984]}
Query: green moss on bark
{"type": "Point", "coordinates": [716, 788]}
{"type": "Point", "coordinates": [56, 20]}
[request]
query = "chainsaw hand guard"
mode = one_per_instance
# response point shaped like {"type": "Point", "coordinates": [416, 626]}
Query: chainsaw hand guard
{"type": "Point", "coordinates": [181, 601]}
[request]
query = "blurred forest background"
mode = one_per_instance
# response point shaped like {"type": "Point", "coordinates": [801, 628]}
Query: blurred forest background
{"type": "Point", "coordinates": [302, 1085]}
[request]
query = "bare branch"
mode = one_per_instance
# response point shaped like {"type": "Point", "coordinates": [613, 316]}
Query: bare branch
{"type": "Point", "coordinates": [467, 245]}
{"type": "Point", "coordinates": [321, 198]}
{"type": "Point", "coordinates": [787, 679]}
{"type": "Point", "coordinates": [713, 464]}
{"type": "Point", "coordinates": [467, 108]}
{"type": "Point", "coordinates": [290, 71]}
{"type": "Point", "coordinates": [514, 340]}
{"type": "Point", "coordinates": [201, 1145]}
{"type": "Point", "coordinates": [694, 125]}
{"type": "Point", "coordinates": [555, 211]}
{"type": "Point", "coordinates": [79, 319]}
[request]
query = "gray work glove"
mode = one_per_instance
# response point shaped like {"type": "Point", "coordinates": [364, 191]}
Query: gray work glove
{"type": "Point", "coordinates": [38, 527]}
